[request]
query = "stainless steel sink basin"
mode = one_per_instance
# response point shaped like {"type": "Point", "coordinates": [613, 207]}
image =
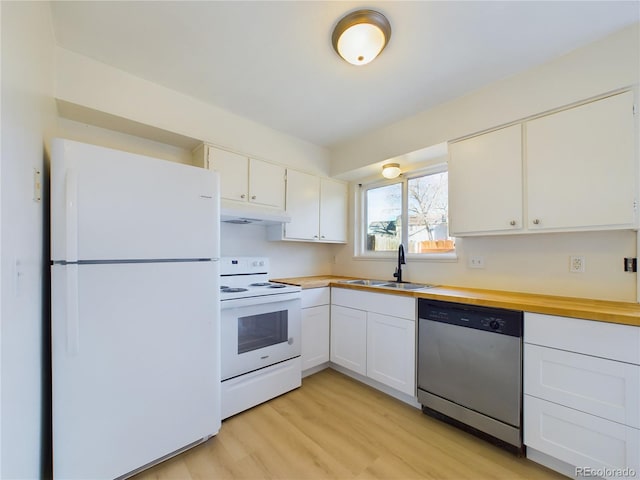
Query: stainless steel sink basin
{"type": "Point", "coordinates": [387, 284]}
{"type": "Point", "coordinates": [406, 286]}
{"type": "Point", "coordinates": [370, 283]}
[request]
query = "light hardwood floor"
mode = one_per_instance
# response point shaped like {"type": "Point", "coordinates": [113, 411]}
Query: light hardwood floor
{"type": "Point", "coordinates": [334, 427]}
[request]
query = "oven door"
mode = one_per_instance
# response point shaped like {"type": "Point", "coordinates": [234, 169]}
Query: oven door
{"type": "Point", "coordinates": [259, 331]}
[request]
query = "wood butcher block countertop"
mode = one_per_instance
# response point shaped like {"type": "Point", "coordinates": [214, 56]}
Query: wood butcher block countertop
{"type": "Point", "coordinates": [600, 310]}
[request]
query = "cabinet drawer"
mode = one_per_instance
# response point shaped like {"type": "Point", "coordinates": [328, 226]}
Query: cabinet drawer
{"type": "Point", "coordinates": [578, 438]}
{"type": "Point", "coordinates": [599, 339]}
{"type": "Point", "coordinates": [605, 388]}
{"type": "Point", "coordinates": [313, 297]}
{"type": "Point", "coordinates": [385, 304]}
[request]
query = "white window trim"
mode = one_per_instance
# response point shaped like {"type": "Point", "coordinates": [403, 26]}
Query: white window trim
{"type": "Point", "coordinates": [360, 251]}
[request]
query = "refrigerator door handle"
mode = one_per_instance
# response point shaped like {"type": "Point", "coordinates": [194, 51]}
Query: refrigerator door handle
{"type": "Point", "coordinates": [72, 307]}
{"type": "Point", "coordinates": [71, 215]}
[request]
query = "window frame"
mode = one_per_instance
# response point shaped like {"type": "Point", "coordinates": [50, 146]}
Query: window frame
{"type": "Point", "coordinates": [360, 232]}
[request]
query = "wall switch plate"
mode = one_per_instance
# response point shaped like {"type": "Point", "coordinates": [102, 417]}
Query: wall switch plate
{"type": "Point", "coordinates": [576, 264]}
{"type": "Point", "coordinates": [476, 261]}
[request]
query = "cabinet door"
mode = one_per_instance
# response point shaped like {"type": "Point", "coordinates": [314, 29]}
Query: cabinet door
{"type": "Point", "coordinates": [303, 205]}
{"type": "Point", "coordinates": [580, 166]}
{"type": "Point", "coordinates": [598, 386]}
{"type": "Point", "coordinates": [580, 439]}
{"type": "Point", "coordinates": [315, 336]}
{"type": "Point", "coordinates": [391, 351]}
{"type": "Point", "coordinates": [349, 338]}
{"type": "Point", "coordinates": [333, 211]}
{"type": "Point", "coordinates": [485, 183]}
{"type": "Point", "coordinates": [234, 173]}
{"type": "Point", "coordinates": [266, 184]}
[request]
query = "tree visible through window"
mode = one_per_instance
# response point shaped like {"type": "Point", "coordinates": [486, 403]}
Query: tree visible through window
{"type": "Point", "coordinates": [423, 202]}
{"type": "Point", "coordinates": [428, 208]}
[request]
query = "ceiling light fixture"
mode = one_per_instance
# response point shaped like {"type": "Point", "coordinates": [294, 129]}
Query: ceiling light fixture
{"type": "Point", "coordinates": [391, 170]}
{"type": "Point", "coordinates": [360, 36]}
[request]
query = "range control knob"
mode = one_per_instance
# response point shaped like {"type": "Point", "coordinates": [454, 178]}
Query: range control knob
{"type": "Point", "coordinates": [494, 325]}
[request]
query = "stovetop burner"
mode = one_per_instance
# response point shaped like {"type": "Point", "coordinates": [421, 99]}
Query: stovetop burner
{"type": "Point", "coordinates": [247, 278]}
{"type": "Point", "coordinates": [235, 290]}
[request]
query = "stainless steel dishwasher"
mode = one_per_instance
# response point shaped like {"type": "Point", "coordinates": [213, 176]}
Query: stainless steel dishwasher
{"type": "Point", "coordinates": [470, 368]}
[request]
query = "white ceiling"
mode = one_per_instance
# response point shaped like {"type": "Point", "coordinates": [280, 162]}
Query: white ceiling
{"type": "Point", "coordinates": [272, 61]}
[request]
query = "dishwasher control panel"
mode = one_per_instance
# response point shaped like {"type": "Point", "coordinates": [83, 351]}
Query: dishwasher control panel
{"type": "Point", "coordinates": [496, 320]}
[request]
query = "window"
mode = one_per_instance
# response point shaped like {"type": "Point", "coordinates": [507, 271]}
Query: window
{"type": "Point", "coordinates": [412, 210]}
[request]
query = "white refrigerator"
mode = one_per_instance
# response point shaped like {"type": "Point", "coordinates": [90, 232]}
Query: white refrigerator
{"type": "Point", "coordinates": [135, 309]}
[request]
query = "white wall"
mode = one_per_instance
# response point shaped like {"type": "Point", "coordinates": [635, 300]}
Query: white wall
{"type": "Point", "coordinates": [94, 85]}
{"type": "Point", "coordinates": [528, 263]}
{"type": "Point", "coordinates": [27, 122]}
{"type": "Point", "coordinates": [288, 259]}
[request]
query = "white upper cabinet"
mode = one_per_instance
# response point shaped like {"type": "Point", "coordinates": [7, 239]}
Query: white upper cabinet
{"type": "Point", "coordinates": [580, 166]}
{"type": "Point", "coordinates": [303, 205]}
{"type": "Point", "coordinates": [317, 207]}
{"type": "Point", "coordinates": [246, 180]}
{"type": "Point", "coordinates": [266, 184]}
{"type": "Point", "coordinates": [333, 211]}
{"type": "Point", "coordinates": [485, 182]}
{"type": "Point", "coordinates": [567, 171]}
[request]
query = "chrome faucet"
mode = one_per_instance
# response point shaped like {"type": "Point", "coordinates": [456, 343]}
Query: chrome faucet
{"type": "Point", "coordinates": [398, 272]}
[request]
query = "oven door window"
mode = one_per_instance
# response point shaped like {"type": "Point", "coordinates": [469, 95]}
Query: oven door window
{"type": "Point", "coordinates": [262, 330]}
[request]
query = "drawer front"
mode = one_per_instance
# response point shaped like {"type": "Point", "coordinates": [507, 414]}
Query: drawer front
{"type": "Point", "coordinates": [313, 297]}
{"type": "Point", "coordinates": [580, 439]}
{"type": "Point", "coordinates": [385, 304]}
{"type": "Point", "coordinates": [605, 388]}
{"type": "Point", "coordinates": [600, 339]}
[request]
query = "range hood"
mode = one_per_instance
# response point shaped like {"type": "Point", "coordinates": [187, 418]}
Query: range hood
{"type": "Point", "coordinates": [243, 216]}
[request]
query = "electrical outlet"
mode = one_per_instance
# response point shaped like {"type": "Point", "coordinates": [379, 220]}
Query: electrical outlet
{"type": "Point", "coordinates": [576, 264]}
{"type": "Point", "coordinates": [476, 262]}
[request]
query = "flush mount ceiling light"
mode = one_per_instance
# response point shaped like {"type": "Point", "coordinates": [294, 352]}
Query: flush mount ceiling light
{"type": "Point", "coordinates": [391, 170]}
{"type": "Point", "coordinates": [360, 36]}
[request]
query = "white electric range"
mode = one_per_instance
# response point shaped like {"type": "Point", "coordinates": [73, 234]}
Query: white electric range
{"type": "Point", "coordinates": [260, 334]}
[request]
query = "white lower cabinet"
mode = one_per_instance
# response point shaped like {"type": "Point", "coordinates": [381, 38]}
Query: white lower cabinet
{"type": "Point", "coordinates": [584, 441]}
{"type": "Point", "coordinates": [391, 351]}
{"type": "Point", "coordinates": [315, 327]}
{"type": "Point", "coordinates": [349, 338]}
{"type": "Point", "coordinates": [373, 335]}
{"type": "Point", "coordinates": [582, 394]}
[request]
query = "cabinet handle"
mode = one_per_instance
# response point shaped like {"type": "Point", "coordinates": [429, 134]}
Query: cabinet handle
{"type": "Point", "coordinates": [536, 221]}
{"type": "Point", "coordinates": [315, 236]}
{"type": "Point", "coordinates": [243, 196]}
{"type": "Point", "coordinates": [253, 197]}
{"type": "Point", "coordinates": [322, 236]}
{"type": "Point", "coordinates": [512, 223]}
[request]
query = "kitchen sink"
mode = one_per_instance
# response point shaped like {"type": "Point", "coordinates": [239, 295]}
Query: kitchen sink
{"type": "Point", "coordinates": [370, 283]}
{"type": "Point", "coordinates": [406, 286]}
{"type": "Point", "coordinates": [386, 284]}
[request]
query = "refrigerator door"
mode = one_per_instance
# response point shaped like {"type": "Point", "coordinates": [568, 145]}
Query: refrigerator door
{"type": "Point", "coordinates": [112, 205]}
{"type": "Point", "coordinates": [136, 372]}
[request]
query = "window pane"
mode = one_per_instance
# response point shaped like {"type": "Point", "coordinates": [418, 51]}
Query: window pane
{"type": "Point", "coordinates": [428, 214]}
{"type": "Point", "coordinates": [384, 214]}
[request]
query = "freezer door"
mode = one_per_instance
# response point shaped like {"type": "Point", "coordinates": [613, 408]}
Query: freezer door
{"type": "Point", "coordinates": [136, 374]}
{"type": "Point", "coordinates": [112, 205]}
